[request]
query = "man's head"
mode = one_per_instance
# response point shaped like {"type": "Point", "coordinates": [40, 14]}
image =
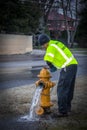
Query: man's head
{"type": "Point", "coordinates": [43, 40]}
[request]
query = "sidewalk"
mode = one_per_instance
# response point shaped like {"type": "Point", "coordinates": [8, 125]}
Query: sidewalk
{"type": "Point", "coordinates": [15, 63]}
{"type": "Point", "coordinates": [33, 60]}
{"type": "Point", "coordinates": [18, 66]}
{"type": "Point", "coordinates": [36, 54]}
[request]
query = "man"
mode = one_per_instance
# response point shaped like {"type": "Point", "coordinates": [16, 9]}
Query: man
{"type": "Point", "coordinates": [58, 56]}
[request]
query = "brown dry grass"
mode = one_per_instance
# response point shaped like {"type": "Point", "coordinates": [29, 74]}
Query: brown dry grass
{"type": "Point", "coordinates": [15, 101]}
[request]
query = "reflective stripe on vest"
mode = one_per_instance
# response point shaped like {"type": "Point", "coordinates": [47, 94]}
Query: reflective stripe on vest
{"type": "Point", "coordinates": [67, 62]}
{"type": "Point", "coordinates": [68, 59]}
{"type": "Point", "coordinates": [50, 54]}
{"type": "Point", "coordinates": [61, 52]}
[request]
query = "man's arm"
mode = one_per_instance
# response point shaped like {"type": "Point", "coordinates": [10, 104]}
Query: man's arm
{"type": "Point", "coordinates": [52, 67]}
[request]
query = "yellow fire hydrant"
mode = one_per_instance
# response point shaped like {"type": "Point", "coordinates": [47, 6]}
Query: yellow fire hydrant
{"type": "Point", "coordinates": [45, 102]}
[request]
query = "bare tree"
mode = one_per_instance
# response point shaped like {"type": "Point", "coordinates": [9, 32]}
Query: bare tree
{"type": "Point", "coordinates": [76, 21]}
{"type": "Point", "coordinates": [70, 8]}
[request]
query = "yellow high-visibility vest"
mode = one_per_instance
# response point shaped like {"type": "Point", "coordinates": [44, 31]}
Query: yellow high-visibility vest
{"type": "Point", "coordinates": [59, 55]}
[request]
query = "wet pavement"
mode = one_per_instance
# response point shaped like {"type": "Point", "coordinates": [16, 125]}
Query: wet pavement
{"type": "Point", "coordinates": [14, 124]}
{"type": "Point", "coordinates": [17, 124]}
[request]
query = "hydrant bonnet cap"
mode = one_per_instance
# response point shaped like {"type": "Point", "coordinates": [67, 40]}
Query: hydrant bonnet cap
{"type": "Point", "coordinates": [44, 73]}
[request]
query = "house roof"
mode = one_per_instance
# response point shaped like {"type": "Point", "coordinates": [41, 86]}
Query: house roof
{"type": "Point", "coordinates": [54, 15]}
{"type": "Point", "coordinates": [52, 28]}
{"type": "Point", "coordinates": [54, 24]}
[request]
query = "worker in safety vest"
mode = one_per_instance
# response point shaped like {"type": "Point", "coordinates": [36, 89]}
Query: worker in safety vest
{"type": "Point", "coordinates": [58, 56]}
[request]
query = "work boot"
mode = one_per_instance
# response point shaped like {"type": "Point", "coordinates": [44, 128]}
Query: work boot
{"type": "Point", "coordinates": [56, 115]}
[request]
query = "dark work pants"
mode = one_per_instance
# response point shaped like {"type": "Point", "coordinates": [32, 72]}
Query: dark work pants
{"type": "Point", "coordinates": [65, 88]}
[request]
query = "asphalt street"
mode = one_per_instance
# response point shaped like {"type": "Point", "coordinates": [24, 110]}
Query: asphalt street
{"type": "Point", "coordinates": [16, 73]}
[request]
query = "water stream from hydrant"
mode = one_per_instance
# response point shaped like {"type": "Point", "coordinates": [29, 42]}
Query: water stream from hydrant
{"type": "Point", "coordinates": [35, 102]}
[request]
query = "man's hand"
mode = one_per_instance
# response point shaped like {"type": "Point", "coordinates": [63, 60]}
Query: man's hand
{"type": "Point", "coordinates": [53, 69]}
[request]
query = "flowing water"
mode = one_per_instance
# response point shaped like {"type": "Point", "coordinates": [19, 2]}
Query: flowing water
{"type": "Point", "coordinates": [35, 102]}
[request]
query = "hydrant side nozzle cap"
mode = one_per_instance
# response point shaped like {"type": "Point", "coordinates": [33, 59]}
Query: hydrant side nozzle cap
{"type": "Point", "coordinates": [40, 76]}
{"type": "Point", "coordinates": [44, 73]}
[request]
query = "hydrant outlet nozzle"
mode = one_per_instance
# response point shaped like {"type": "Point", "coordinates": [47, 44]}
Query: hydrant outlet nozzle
{"type": "Point", "coordinates": [41, 84]}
